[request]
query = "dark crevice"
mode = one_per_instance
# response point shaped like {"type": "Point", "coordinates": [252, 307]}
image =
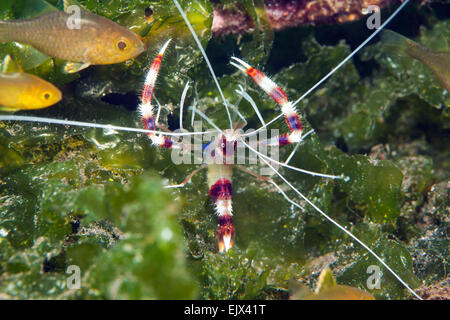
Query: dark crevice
{"type": "Point", "coordinates": [129, 100]}
{"type": "Point", "coordinates": [55, 264]}
{"type": "Point", "coordinates": [219, 50]}
{"type": "Point", "coordinates": [285, 53]}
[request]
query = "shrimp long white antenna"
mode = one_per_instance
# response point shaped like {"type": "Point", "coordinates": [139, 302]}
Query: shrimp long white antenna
{"type": "Point", "coordinates": [158, 113]}
{"type": "Point", "coordinates": [201, 114]}
{"type": "Point", "coordinates": [284, 194]}
{"type": "Point", "coordinates": [236, 110]}
{"type": "Point", "coordinates": [194, 104]}
{"type": "Point", "coordinates": [247, 97]}
{"type": "Point", "coordinates": [297, 145]}
{"type": "Point", "coordinates": [194, 35]}
{"type": "Point", "coordinates": [353, 53]}
{"type": "Point", "coordinates": [93, 125]}
{"type": "Point", "coordinates": [312, 173]}
{"type": "Point", "coordinates": [249, 134]}
{"type": "Point", "coordinates": [339, 226]}
{"type": "Point", "coordinates": [183, 97]}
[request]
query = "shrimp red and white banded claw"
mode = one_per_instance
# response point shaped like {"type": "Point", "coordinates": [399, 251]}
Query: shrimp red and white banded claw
{"type": "Point", "coordinates": [146, 108]}
{"type": "Point", "coordinates": [279, 96]}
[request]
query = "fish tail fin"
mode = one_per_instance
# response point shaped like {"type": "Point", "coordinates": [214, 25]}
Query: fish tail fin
{"type": "Point", "coordinates": [399, 44]}
{"type": "Point", "coordinates": [4, 31]}
{"type": "Point", "coordinates": [394, 41]}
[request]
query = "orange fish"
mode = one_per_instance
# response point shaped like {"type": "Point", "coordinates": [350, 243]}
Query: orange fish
{"type": "Point", "coordinates": [87, 38]}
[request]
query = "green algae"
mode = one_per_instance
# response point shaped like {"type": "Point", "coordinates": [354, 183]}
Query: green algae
{"type": "Point", "coordinates": [93, 198]}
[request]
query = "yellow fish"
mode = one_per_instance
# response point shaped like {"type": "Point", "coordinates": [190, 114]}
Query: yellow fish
{"type": "Point", "coordinates": [328, 289]}
{"type": "Point", "coordinates": [24, 91]}
{"type": "Point", "coordinates": [340, 292]}
{"type": "Point", "coordinates": [437, 62]}
{"type": "Point", "coordinates": [77, 37]}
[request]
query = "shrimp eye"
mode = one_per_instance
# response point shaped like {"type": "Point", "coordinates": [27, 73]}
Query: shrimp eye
{"type": "Point", "coordinates": [121, 45]}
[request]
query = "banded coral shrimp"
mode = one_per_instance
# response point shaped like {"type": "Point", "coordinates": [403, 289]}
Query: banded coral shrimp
{"type": "Point", "coordinates": [263, 159]}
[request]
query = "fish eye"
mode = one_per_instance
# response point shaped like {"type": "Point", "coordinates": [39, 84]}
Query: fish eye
{"type": "Point", "coordinates": [46, 95]}
{"type": "Point", "coordinates": [121, 45]}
